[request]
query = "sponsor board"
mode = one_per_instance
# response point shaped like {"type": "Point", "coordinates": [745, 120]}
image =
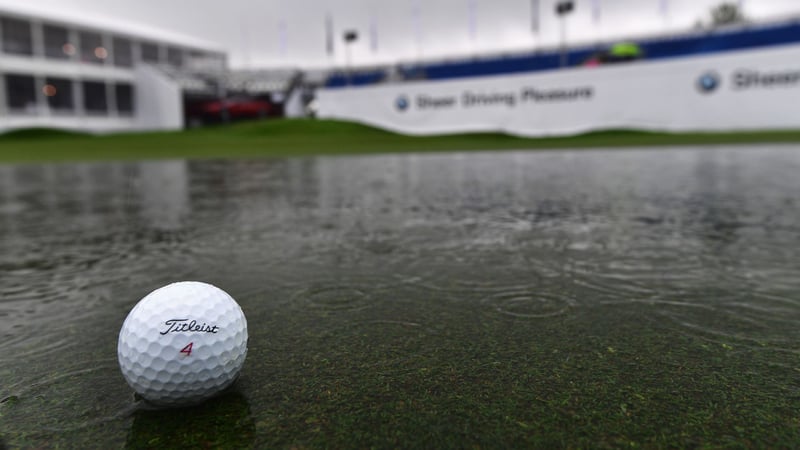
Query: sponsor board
{"type": "Point", "coordinates": [507, 99]}
{"type": "Point", "coordinates": [754, 89]}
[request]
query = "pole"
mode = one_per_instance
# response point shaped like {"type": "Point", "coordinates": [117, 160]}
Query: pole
{"type": "Point", "coordinates": [563, 8]}
{"type": "Point", "coordinates": [329, 36]}
{"type": "Point", "coordinates": [350, 36]}
{"type": "Point", "coordinates": [563, 29]}
{"type": "Point", "coordinates": [348, 68]}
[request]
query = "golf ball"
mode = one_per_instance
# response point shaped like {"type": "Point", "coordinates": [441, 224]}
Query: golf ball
{"type": "Point", "coordinates": [182, 343]}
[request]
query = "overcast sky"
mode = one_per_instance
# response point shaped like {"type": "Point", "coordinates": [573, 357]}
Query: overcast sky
{"type": "Point", "coordinates": [270, 33]}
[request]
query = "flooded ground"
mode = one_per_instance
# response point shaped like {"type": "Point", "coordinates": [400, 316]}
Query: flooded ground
{"type": "Point", "coordinates": [551, 299]}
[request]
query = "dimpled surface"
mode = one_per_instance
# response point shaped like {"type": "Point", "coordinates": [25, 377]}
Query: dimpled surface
{"type": "Point", "coordinates": [153, 347]}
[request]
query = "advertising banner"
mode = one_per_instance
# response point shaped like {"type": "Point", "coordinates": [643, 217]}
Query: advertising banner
{"type": "Point", "coordinates": [745, 90]}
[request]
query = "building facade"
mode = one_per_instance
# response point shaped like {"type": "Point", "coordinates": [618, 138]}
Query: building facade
{"type": "Point", "coordinates": [96, 75]}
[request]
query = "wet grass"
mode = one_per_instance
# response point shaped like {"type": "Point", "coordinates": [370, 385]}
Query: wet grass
{"type": "Point", "coordinates": [450, 372]}
{"type": "Point", "coordinates": [596, 382]}
{"type": "Point", "coordinates": [300, 137]}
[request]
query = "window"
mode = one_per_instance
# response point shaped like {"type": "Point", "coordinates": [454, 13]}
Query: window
{"type": "Point", "coordinates": [94, 97]}
{"type": "Point", "coordinates": [20, 92]}
{"type": "Point", "coordinates": [124, 94]}
{"type": "Point", "coordinates": [150, 53]}
{"type": "Point", "coordinates": [16, 37]}
{"type": "Point", "coordinates": [175, 56]}
{"type": "Point", "coordinates": [59, 94]}
{"type": "Point", "coordinates": [56, 43]}
{"type": "Point", "coordinates": [92, 49]}
{"type": "Point", "coordinates": [195, 59]}
{"type": "Point", "coordinates": [123, 52]}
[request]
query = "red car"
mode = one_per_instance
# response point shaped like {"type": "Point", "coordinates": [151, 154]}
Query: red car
{"type": "Point", "coordinates": [236, 108]}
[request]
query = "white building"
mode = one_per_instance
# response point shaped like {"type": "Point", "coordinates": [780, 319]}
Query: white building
{"type": "Point", "coordinates": [98, 75]}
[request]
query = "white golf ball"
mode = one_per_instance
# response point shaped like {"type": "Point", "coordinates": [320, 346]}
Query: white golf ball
{"type": "Point", "coordinates": [183, 343]}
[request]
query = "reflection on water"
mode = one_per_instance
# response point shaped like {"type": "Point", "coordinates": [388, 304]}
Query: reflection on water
{"type": "Point", "coordinates": [164, 188]}
{"type": "Point", "coordinates": [411, 260]}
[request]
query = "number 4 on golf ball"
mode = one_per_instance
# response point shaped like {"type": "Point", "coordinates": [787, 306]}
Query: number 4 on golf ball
{"type": "Point", "coordinates": [183, 343]}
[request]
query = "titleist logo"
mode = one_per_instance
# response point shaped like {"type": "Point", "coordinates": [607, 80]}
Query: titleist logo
{"type": "Point", "coordinates": [184, 325]}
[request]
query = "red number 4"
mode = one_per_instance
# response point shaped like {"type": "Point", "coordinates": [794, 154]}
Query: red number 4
{"type": "Point", "coordinates": [187, 349]}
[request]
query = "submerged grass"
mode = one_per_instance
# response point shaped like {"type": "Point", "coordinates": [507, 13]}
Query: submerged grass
{"type": "Point", "coordinates": [304, 137]}
{"type": "Point", "coordinates": [456, 375]}
{"type": "Point", "coordinates": [593, 382]}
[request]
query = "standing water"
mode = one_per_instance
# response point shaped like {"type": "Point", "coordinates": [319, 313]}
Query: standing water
{"type": "Point", "coordinates": [587, 298]}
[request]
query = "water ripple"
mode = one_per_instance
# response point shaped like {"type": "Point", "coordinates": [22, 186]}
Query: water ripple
{"type": "Point", "coordinates": [72, 399]}
{"type": "Point", "coordinates": [530, 303]}
{"type": "Point", "coordinates": [334, 297]}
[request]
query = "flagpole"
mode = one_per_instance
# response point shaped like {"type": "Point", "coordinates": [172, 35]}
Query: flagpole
{"type": "Point", "coordinates": [534, 21]}
{"type": "Point", "coordinates": [472, 24]}
{"type": "Point", "coordinates": [283, 38]}
{"type": "Point", "coordinates": [373, 34]}
{"type": "Point", "coordinates": [665, 13]}
{"type": "Point", "coordinates": [329, 39]}
{"type": "Point", "coordinates": [415, 17]}
{"type": "Point", "coordinates": [597, 18]}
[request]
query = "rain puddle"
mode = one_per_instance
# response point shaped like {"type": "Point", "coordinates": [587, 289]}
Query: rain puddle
{"type": "Point", "coordinates": [515, 299]}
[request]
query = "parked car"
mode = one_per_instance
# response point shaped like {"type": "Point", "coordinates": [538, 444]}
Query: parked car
{"type": "Point", "coordinates": [236, 108]}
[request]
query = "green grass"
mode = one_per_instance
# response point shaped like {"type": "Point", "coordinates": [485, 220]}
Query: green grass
{"type": "Point", "coordinates": [294, 137]}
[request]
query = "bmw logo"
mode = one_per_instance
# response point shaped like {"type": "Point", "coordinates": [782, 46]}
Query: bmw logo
{"type": "Point", "coordinates": [708, 82]}
{"type": "Point", "coordinates": [401, 103]}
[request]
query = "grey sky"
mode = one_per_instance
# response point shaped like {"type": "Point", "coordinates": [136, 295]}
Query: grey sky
{"type": "Point", "coordinates": [280, 33]}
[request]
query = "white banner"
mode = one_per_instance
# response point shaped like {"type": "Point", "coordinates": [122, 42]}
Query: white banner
{"type": "Point", "coordinates": [747, 90]}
